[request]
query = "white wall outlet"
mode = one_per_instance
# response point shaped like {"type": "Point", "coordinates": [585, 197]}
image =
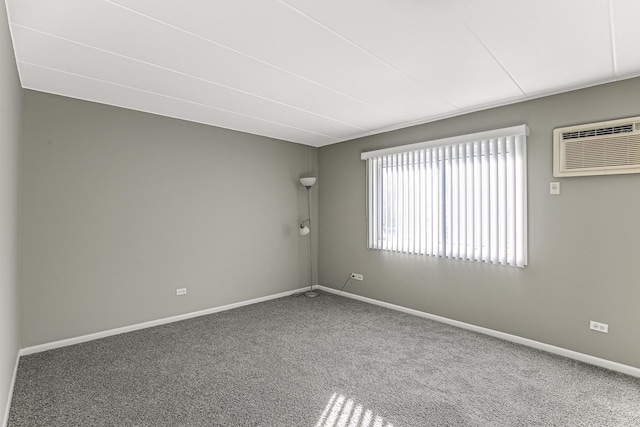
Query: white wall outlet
{"type": "Point", "coordinates": [598, 326]}
{"type": "Point", "coordinates": [356, 276]}
{"type": "Point", "coordinates": [554, 188]}
{"type": "Point", "coordinates": [181, 291]}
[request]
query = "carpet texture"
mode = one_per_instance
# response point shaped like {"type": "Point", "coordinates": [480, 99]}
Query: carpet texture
{"type": "Point", "coordinates": [327, 361]}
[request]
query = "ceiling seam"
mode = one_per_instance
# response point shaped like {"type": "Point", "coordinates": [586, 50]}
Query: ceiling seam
{"type": "Point", "coordinates": [239, 52]}
{"type": "Point", "coordinates": [177, 99]}
{"type": "Point", "coordinates": [486, 48]}
{"type": "Point", "coordinates": [190, 76]}
{"type": "Point", "coordinates": [614, 56]}
{"type": "Point", "coordinates": [371, 54]}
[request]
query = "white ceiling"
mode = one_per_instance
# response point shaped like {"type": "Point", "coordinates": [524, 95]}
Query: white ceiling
{"type": "Point", "coordinates": [319, 72]}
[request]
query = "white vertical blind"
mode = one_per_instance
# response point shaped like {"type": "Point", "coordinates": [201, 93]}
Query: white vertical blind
{"type": "Point", "coordinates": [462, 198]}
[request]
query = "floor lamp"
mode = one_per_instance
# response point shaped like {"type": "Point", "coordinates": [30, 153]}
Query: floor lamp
{"type": "Point", "coordinates": [306, 230]}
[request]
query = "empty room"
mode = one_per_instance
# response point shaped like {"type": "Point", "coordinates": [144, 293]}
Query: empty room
{"type": "Point", "coordinates": [319, 213]}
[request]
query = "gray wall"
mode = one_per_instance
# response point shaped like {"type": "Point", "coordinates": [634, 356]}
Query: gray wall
{"type": "Point", "coordinates": [583, 244]}
{"type": "Point", "coordinates": [120, 208]}
{"type": "Point", "coordinates": [10, 121]}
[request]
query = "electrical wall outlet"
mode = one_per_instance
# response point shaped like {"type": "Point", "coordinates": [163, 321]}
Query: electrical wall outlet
{"type": "Point", "coordinates": [356, 276]}
{"type": "Point", "coordinates": [181, 291]}
{"type": "Point", "coordinates": [600, 327]}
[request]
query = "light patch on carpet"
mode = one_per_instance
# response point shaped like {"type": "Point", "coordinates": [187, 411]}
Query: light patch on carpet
{"type": "Point", "coordinates": [344, 412]}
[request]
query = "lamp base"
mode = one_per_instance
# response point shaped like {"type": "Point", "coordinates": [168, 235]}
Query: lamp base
{"type": "Point", "coordinates": [311, 294]}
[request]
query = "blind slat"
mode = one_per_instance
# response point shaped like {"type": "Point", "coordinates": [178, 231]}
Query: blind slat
{"type": "Point", "coordinates": [502, 195]}
{"type": "Point", "coordinates": [462, 211]}
{"type": "Point", "coordinates": [493, 199]}
{"type": "Point", "coordinates": [394, 208]}
{"type": "Point", "coordinates": [485, 203]}
{"type": "Point", "coordinates": [423, 203]}
{"type": "Point", "coordinates": [448, 214]}
{"type": "Point", "coordinates": [511, 202]}
{"type": "Point", "coordinates": [435, 202]}
{"type": "Point", "coordinates": [520, 204]}
{"type": "Point", "coordinates": [455, 203]}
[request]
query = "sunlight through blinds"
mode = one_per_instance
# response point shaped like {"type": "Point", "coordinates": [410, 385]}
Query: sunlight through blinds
{"type": "Point", "coordinates": [463, 197]}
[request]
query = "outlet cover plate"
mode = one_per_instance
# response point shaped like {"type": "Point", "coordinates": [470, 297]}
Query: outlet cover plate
{"type": "Point", "coordinates": [599, 326]}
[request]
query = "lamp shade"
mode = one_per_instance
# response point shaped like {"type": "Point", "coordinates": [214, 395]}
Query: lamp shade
{"type": "Point", "coordinates": [304, 230]}
{"type": "Point", "coordinates": [308, 181]}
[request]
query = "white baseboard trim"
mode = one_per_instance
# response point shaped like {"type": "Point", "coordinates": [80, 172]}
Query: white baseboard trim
{"type": "Point", "coordinates": [604, 363]}
{"type": "Point", "coordinates": [592, 360]}
{"type": "Point", "coordinates": [5, 418]}
{"type": "Point", "coordinates": [90, 337]}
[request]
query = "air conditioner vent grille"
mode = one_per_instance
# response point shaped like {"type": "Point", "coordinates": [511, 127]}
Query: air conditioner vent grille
{"type": "Point", "coordinates": [586, 133]}
{"type": "Point", "coordinates": [602, 153]}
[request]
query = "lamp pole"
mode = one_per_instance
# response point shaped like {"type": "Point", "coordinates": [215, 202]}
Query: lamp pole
{"type": "Point", "coordinates": [308, 182]}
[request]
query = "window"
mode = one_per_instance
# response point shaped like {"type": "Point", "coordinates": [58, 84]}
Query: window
{"type": "Point", "coordinates": [463, 197]}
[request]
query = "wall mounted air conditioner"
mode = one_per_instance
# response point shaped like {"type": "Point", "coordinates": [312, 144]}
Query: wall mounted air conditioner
{"type": "Point", "coordinates": [604, 148]}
